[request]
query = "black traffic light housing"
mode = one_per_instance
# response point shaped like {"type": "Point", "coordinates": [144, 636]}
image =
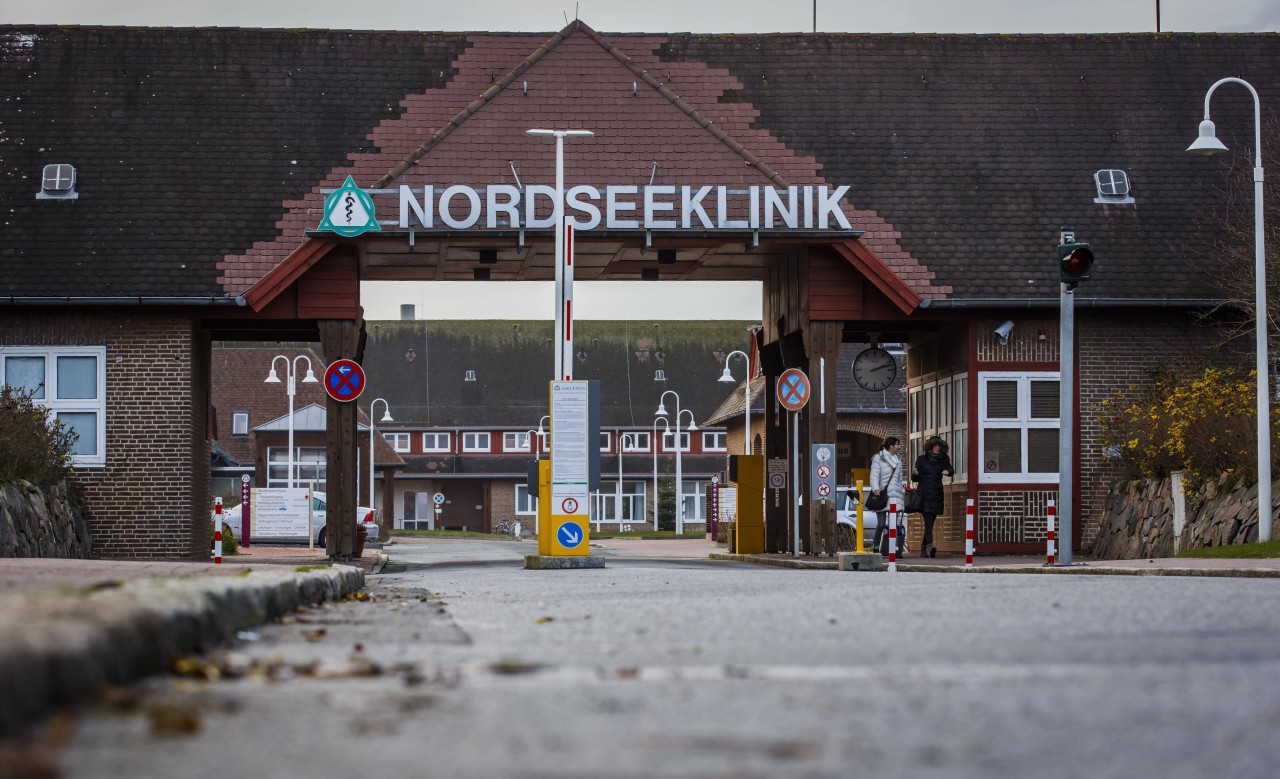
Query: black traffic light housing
{"type": "Point", "coordinates": [1075, 260]}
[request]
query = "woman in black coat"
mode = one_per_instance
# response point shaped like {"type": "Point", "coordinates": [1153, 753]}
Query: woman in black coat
{"type": "Point", "coordinates": [929, 469]}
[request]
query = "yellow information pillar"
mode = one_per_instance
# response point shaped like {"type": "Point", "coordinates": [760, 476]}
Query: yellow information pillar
{"type": "Point", "coordinates": [545, 530]}
{"type": "Point", "coordinates": [749, 537]}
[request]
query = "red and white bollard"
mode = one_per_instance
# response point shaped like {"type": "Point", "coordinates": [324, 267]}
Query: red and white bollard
{"type": "Point", "coordinates": [893, 537]}
{"type": "Point", "coordinates": [1052, 512]}
{"type": "Point", "coordinates": [968, 533]}
{"type": "Point", "coordinates": [217, 530]}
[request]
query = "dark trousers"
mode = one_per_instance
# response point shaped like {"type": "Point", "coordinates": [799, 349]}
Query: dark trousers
{"type": "Point", "coordinates": [928, 532]}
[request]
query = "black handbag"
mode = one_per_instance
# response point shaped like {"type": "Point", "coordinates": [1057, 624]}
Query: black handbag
{"type": "Point", "coordinates": [913, 503]}
{"type": "Point", "coordinates": [877, 502]}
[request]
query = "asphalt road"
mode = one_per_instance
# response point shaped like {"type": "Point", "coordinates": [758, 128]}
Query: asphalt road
{"type": "Point", "coordinates": [465, 665]}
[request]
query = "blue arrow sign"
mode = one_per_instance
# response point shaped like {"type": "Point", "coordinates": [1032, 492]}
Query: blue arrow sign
{"type": "Point", "coordinates": [569, 535]}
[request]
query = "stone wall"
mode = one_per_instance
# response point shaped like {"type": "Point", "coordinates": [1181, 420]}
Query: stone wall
{"type": "Point", "coordinates": [36, 522]}
{"type": "Point", "coordinates": [1138, 519]}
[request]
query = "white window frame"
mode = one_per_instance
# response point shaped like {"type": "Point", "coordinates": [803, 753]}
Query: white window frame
{"type": "Point", "coordinates": [96, 405]}
{"type": "Point", "coordinates": [240, 423]}
{"type": "Point", "coordinates": [713, 441]}
{"type": "Point", "coordinates": [606, 441]}
{"type": "Point", "coordinates": [1024, 422]}
{"type": "Point", "coordinates": [435, 446]}
{"type": "Point", "coordinates": [635, 441]}
{"type": "Point", "coordinates": [695, 497]}
{"type": "Point", "coordinates": [400, 442]}
{"type": "Point", "coordinates": [669, 440]}
{"type": "Point", "coordinates": [471, 441]}
{"type": "Point", "coordinates": [511, 441]}
{"type": "Point", "coordinates": [314, 469]}
{"type": "Point", "coordinates": [526, 504]}
{"type": "Point", "coordinates": [543, 439]}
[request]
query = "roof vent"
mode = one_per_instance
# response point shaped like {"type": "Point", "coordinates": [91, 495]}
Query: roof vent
{"type": "Point", "coordinates": [1113, 186]}
{"type": "Point", "coordinates": [58, 183]}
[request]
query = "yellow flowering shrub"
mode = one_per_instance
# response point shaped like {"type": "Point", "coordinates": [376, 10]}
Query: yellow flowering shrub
{"type": "Point", "coordinates": [1204, 426]}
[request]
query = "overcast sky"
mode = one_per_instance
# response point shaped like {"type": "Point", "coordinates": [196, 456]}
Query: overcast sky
{"type": "Point", "coordinates": [735, 300]}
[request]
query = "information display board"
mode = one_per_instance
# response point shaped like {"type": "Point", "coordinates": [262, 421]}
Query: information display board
{"type": "Point", "coordinates": [281, 512]}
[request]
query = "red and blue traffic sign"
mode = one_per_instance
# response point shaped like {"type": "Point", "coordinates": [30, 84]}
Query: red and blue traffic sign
{"type": "Point", "coordinates": [793, 389]}
{"type": "Point", "coordinates": [344, 380]}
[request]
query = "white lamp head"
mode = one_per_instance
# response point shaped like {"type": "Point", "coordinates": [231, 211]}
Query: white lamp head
{"type": "Point", "coordinates": [726, 377]}
{"type": "Point", "coordinates": [310, 378]}
{"type": "Point", "coordinates": [272, 378]}
{"type": "Point", "coordinates": [662, 410]}
{"type": "Point", "coordinates": [693, 426]}
{"type": "Point", "coordinates": [386, 416]}
{"type": "Point", "coordinates": [1207, 144]}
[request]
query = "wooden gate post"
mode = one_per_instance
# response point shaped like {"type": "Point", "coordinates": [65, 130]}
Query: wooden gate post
{"type": "Point", "coordinates": [822, 343]}
{"type": "Point", "coordinates": [339, 339]}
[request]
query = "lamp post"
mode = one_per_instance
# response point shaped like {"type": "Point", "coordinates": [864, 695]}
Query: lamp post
{"type": "Point", "coordinates": [542, 432]}
{"type": "Point", "coordinates": [386, 417]}
{"type": "Point", "coordinates": [746, 403]}
{"type": "Point", "coordinates": [291, 374]}
{"type": "Point", "coordinates": [662, 412]}
{"type": "Point", "coordinates": [564, 271]}
{"type": "Point", "coordinates": [666, 427]}
{"type": "Point", "coordinates": [1208, 144]}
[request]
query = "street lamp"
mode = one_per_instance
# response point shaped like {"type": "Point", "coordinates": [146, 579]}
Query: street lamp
{"type": "Point", "coordinates": [1208, 144]}
{"type": "Point", "coordinates": [542, 433]}
{"type": "Point", "coordinates": [386, 417]}
{"type": "Point", "coordinates": [291, 374]}
{"type": "Point", "coordinates": [727, 378]}
{"type": "Point", "coordinates": [564, 273]}
{"type": "Point", "coordinates": [662, 412]}
{"type": "Point", "coordinates": [666, 427]}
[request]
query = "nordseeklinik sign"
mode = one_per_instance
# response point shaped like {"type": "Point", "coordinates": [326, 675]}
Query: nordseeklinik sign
{"type": "Point", "coordinates": [616, 207]}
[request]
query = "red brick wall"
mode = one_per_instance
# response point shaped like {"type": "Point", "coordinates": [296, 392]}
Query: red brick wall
{"type": "Point", "coordinates": [1115, 351]}
{"type": "Point", "coordinates": [151, 499]}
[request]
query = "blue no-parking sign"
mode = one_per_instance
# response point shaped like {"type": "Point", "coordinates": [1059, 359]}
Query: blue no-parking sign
{"type": "Point", "coordinates": [344, 380]}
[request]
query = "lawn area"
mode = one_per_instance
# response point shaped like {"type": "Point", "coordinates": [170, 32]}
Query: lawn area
{"type": "Point", "coordinates": [1268, 549]}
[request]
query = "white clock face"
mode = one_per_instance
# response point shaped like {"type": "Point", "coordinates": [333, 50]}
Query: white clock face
{"type": "Point", "coordinates": [875, 369]}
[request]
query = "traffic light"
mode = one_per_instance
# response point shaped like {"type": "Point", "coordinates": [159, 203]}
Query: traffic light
{"type": "Point", "coordinates": [1075, 262]}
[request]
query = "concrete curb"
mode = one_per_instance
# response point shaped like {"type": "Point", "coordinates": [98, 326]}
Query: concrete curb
{"type": "Point", "coordinates": [63, 647]}
{"type": "Point", "coordinates": [1086, 570]}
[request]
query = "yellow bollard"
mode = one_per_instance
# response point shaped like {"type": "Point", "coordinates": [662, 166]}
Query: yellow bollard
{"type": "Point", "coordinates": [544, 529]}
{"type": "Point", "coordinates": [858, 544]}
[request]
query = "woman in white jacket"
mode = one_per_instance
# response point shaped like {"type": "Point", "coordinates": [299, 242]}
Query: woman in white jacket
{"type": "Point", "coordinates": [886, 476]}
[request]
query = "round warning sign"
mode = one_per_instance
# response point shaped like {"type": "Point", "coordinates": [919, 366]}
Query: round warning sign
{"type": "Point", "coordinates": [793, 389]}
{"type": "Point", "coordinates": [570, 506]}
{"type": "Point", "coordinates": [344, 380]}
{"type": "Point", "coordinates": [438, 498]}
{"type": "Point", "coordinates": [824, 472]}
{"type": "Point", "coordinates": [777, 480]}
{"type": "Point", "coordinates": [824, 489]}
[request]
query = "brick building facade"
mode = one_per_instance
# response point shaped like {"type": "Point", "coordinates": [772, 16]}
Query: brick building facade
{"type": "Point", "coordinates": [939, 210]}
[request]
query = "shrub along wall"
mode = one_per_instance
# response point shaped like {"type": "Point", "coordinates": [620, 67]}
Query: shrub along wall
{"type": "Point", "coordinates": [41, 522]}
{"type": "Point", "coordinates": [1137, 518]}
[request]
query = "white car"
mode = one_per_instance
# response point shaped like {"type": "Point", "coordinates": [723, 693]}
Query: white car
{"type": "Point", "coordinates": [847, 512]}
{"type": "Point", "coordinates": [319, 508]}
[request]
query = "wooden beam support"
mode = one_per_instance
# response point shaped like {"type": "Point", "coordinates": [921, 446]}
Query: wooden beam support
{"type": "Point", "coordinates": [822, 344]}
{"type": "Point", "coordinates": [339, 339]}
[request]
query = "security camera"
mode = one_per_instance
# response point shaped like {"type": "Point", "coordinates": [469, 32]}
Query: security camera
{"type": "Point", "coordinates": [1002, 332]}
